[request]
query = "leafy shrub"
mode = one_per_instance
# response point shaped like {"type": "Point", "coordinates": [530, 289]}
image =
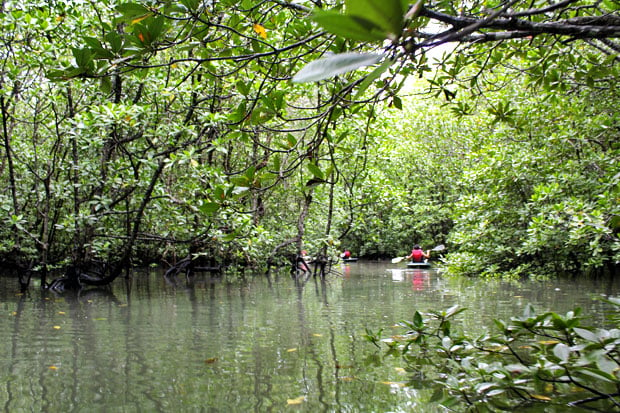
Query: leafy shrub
{"type": "Point", "coordinates": [536, 359]}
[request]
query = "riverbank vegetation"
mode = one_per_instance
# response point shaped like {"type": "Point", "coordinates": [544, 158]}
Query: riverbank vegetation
{"type": "Point", "coordinates": [171, 132]}
{"type": "Point", "coordinates": [534, 362]}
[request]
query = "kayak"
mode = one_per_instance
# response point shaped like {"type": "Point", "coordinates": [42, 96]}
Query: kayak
{"type": "Point", "coordinates": [412, 264]}
{"type": "Point", "coordinates": [349, 259]}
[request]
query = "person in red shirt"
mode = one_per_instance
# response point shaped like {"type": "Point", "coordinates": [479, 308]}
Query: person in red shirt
{"type": "Point", "coordinates": [418, 255]}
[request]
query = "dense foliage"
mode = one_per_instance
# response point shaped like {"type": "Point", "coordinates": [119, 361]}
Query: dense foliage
{"type": "Point", "coordinates": [170, 131]}
{"type": "Point", "coordinates": [545, 359]}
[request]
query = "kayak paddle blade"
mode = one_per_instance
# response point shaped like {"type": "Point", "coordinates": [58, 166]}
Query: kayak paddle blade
{"type": "Point", "coordinates": [397, 260]}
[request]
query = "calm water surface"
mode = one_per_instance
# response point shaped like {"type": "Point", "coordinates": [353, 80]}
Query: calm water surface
{"type": "Point", "coordinates": [265, 345]}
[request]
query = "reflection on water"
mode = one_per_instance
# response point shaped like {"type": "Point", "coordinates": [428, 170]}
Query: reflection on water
{"type": "Point", "coordinates": [268, 344]}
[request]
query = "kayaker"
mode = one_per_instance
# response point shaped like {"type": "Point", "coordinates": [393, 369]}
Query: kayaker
{"type": "Point", "coordinates": [346, 254]}
{"type": "Point", "coordinates": [418, 255]}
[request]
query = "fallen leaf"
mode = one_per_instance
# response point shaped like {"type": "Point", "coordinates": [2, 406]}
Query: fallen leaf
{"type": "Point", "coordinates": [211, 360]}
{"type": "Point", "coordinates": [56, 327]}
{"type": "Point", "coordinates": [317, 335]}
{"type": "Point", "coordinates": [298, 400]}
{"type": "Point", "coordinates": [53, 368]}
{"type": "Point", "coordinates": [290, 350]}
{"type": "Point", "coordinates": [61, 313]}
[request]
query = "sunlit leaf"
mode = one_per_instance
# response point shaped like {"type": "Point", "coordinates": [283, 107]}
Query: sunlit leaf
{"type": "Point", "coordinates": [586, 334]}
{"type": "Point", "coordinates": [387, 14]}
{"type": "Point", "coordinates": [334, 65]}
{"type": "Point", "coordinates": [291, 350]}
{"type": "Point", "coordinates": [562, 351]}
{"type": "Point", "coordinates": [349, 27]}
{"type": "Point", "coordinates": [139, 19]}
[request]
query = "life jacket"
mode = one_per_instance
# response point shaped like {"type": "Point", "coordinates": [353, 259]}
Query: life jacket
{"type": "Point", "coordinates": [417, 255]}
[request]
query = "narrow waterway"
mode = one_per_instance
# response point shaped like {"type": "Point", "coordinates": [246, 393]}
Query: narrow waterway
{"type": "Point", "coordinates": [261, 345]}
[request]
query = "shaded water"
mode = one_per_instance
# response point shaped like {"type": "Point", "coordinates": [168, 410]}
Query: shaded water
{"type": "Point", "coordinates": [263, 345]}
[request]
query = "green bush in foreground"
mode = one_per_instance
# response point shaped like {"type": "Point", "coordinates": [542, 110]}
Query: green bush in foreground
{"type": "Point", "coordinates": [536, 362]}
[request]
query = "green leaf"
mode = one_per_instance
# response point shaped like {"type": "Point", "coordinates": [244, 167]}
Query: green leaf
{"type": "Point", "coordinates": [374, 75]}
{"type": "Point", "coordinates": [132, 10]}
{"type": "Point", "coordinates": [418, 322]}
{"type": "Point", "coordinates": [561, 351]}
{"type": "Point", "coordinates": [115, 41]}
{"type": "Point", "coordinates": [156, 27]}
{"type": "Point", "coordinates": [291, 140]}
{"type": "Point", "coordinates": [243, 88]}
{"type": "Point", "coordinates": [397, 102]}
{"type": "Point", "coordinates": [598, 374]}
{"type": "Point", "coordinates": [334, 65]}
{"type": "Point", "coordinates": [209, 207]}
{"type": "Point", "coordinates": [316, 171]}
{"type": "Point", "coordinates": [349, 27]}
{"type": "Point", "coordinates": [454, 310]}
{"type": "Point", "coordinates": [387, 14]}
{"type": "Point", "coordinates": [586, 334]}
{"type": "Point", "coordinates": [83, 57]}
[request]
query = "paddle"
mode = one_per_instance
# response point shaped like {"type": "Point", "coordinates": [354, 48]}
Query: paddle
{"type": "Point", "coordinates": [439, 247]}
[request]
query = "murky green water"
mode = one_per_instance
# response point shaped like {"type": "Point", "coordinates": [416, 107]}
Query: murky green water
{"type": "Point", "coordinates": [264, 345]}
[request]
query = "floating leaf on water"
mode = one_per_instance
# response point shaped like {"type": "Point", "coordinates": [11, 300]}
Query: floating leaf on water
{"type": "Point", "coordinates": [298, 400]}
{"type": "Point", "coordinates": [394, 383]}
{"type": "Point", "coordinates": [549, 342]}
